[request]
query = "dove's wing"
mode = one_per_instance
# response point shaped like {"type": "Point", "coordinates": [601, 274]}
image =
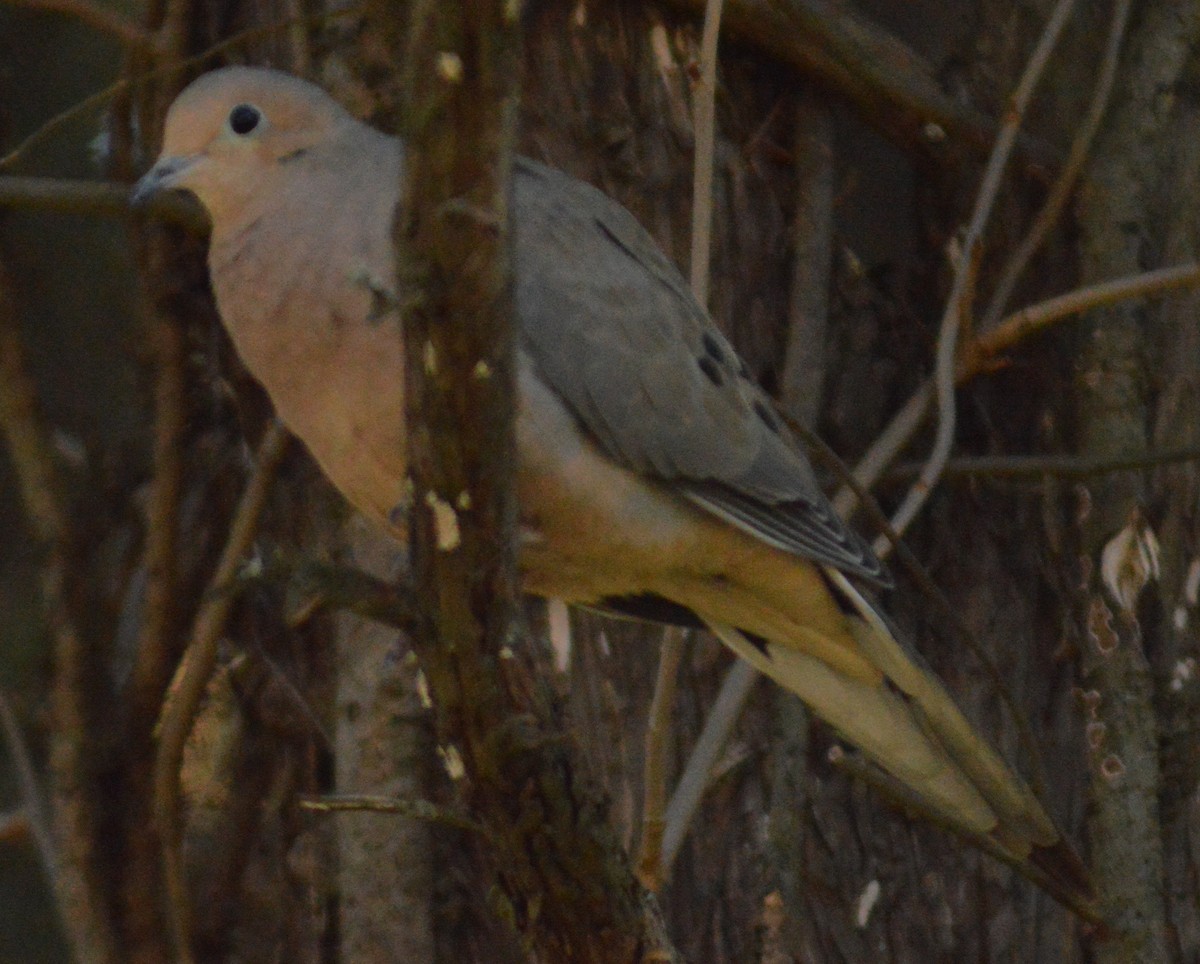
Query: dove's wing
{"type": "Point", "coordinates": [615, 332]}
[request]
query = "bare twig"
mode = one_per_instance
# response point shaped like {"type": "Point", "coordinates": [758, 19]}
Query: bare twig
{"type": "Point", "coordinates": [977, 356]}
{"type": "Point", "coordinates": [98, 198]}
{"type": "Point", "coordinates": [886, 447]}
{"type": "Point", "coordinates": [157, 639]}
{"type": "Point", "coordinates": [803, 374]}
{"type": "Point", "coordinates": [192, 675]}
{"type": "Point", "coordinates": [1021, 324]}
{"type": "Point", "coordinates": [650, 865]}
{"type": "Point", "coordinates": [172, 37]}
{"type": "Point", "coordinates": [151, 665]}
{"type": "Point", "coordinates": [735, 689]}
{"type": "Point", "coordinates": [338, 587]}
{"type": "Point", "coordinates": [102, 97]}
{"type": "Point", "coordinates": [1064, 184]}
{"type": "Point", "coordinates": [703, 123]}
{"type": "Point", "coordinates": [37, 475]}
{"type": "Point", "coordinates": [96, 100]}
{"type": "Point", "coordinates": [83, 911]}
{"type": "Point", "coordinates": [958, 305]}
{"type": "Point", "coordinates": [34, 802]}
{"type": "Point", "coordinates": [298, 39]}
{"type": "Point", "coordinates": [414, 809]}
{"type": "Point", "coordinates": [890, 85]}
{"type": "Point", "coordinates": [103, 19]}
{"type": "Point", "coordinates": [1058, 466]}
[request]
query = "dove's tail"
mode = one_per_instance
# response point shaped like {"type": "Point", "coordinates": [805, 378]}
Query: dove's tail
{"type": "Point", "coordinates": [910, 727]}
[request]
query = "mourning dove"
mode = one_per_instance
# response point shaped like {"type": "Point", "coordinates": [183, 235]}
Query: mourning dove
{"type": "Point", "coordinates": [654, 478]}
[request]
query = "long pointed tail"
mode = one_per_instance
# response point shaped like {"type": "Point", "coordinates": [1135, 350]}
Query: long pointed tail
{"type": "Point", "coordinates": [911, 728]}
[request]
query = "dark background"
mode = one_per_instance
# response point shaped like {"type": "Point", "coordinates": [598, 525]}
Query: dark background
{"type": "Point", "coordinates": [785, 845]}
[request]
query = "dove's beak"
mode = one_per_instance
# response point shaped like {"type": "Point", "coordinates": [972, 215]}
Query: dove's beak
{"type": "Point", "coordinates": [163, 176]}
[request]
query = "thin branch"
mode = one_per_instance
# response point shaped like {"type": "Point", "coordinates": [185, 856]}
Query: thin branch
{"type": "Point", "coordinates": [59, 120]}
{"type": "Point", "coordinates": [80, 906]}
{"type": "Point", "coordinates": [887, 82]}
{"type": "Point", "coordinates": [102, 97]}
{"type": "Point", "coordinates": [979, 356]}
{"type": "Point", "coordinates": [886, 447]}
{"type": "Point", "coordinates": [958, 305]}
{"type": "Point", "coordinates": [703, 123]}
{"type": "Point", "coordinates": [1064, 184]}
{"type": "Point", "coordinates": [157, 641]}
{"type": "Point", "coordinates": [1021, 324]}
{"type": "Point", "coordinates": [650, 865]}
{"type": "Point", "coordinates": [414, 809]}
{"type": "Point", "coordinates": [36, 809]}
{"type": "Point", "coordinates": [722, 717]}
{"type": "Point", "coordinates": [171, 38]}
{"type": "Point", "coordinates": [151, 667]}
{"type": "Point", "coordinates": [192, 675]}
{"type": "Point", "coordinates": [26, 437]}
{"type": "Point", "coordinates": [337, 587]}
{"type": "Point", "coordinates": [98, 198]}
{"type": "Point", "coordinates": [103, 19]}
{"type": "Point", "coordinates": [802, 377]}
{"type": "Point", "coordinates": [1058, 466]}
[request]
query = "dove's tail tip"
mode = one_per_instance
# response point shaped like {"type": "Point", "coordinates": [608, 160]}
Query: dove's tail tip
{"type": "Point", "coordinates": [1066, 878]}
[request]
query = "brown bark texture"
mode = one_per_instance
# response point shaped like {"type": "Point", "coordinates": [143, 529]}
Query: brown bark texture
{"type": "Point", "coordinates": [505, 770]}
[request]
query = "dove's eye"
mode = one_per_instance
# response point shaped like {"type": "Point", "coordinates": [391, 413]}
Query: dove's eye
{"type": "Point", "coordinates": [244, 118]}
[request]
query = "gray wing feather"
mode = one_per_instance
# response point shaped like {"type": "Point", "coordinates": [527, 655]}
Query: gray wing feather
{"type": "Point", "coordinates": [613, 328]}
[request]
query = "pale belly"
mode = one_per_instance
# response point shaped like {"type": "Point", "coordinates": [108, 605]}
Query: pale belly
{"type": "Point", "coordinates": [589, 528]}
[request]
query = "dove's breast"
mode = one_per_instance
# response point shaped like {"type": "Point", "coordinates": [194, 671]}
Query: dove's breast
{"type": "Point", "coordinates": [314, 331]}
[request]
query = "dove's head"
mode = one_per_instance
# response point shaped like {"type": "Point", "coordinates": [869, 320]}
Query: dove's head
{"type": "Point", "coordinates": [232, 129]}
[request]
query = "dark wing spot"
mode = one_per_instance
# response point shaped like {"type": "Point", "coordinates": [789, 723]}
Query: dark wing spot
{"type": "Point", "coordinates": [711, 369]}
{"type": "Point", "coordinates": [769, 418]}
{"type": "Point", "coordinates": [712, 347]}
